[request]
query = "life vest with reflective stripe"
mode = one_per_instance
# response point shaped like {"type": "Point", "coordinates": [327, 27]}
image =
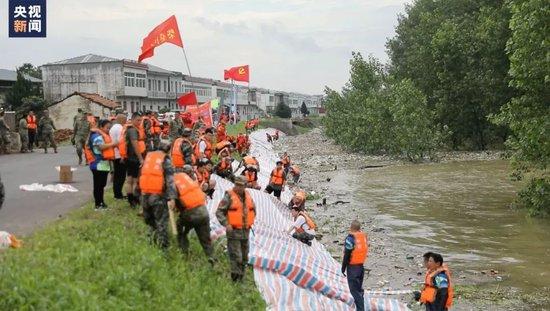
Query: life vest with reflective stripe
{"type": "Point", "coordinates": [360, 251]}
{"type": "Point", "coordinates": [31, 122]}
{"type": "Point", "coordinates": [309, 222]}
{"type": "Point", "coordinates": [235, 214]}
{"type": "Point", "coordinates": [277, 177]}
{"type": "Point", "coordinates": [190, 194]}
{"type": "Point", "coordinates": [430, 291]}
{"type": "Point", "coordinates": [106, 154]}
{"type": "Point", "coordinates": [178, 160]}
{"type": "Point", "coordinates": [151, 180]}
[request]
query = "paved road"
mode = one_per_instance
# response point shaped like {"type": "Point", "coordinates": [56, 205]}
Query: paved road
{"type": "Point", "coordinates": [25, 211]}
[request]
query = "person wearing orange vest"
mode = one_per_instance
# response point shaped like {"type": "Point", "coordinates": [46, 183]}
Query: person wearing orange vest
{"type": "Point", "coordinates": [132, 152]}
{"type": "Point", "coordinates": [224, 168]}
{"type": "Point", "coordinates": [355, 254]}
{"type": "Point", "coordinates": [191, 204]}
{"type": "Point", "coordinates": [221, 134]}
{"type": "Point", "coordinates": [437, 293]}
{"type": "Point", "coordinates": [182, 151]}
{"type": "Point", "coordinates": [251, 175]}
{"type": "Point", "coordinates": [277, 180]}
{"type": "Point", "coordinates": [237, 212]}
{"type": "Point", "coordinates": [303, 228]}
{"type": "Point", "coordinates": [31, 127]}
{"type": "Point", "coordinates": [155, 130]}
{"type": "Point", "coordinates": [99, 152]}
{"type": "Point", "coordinates": [202, 174]}
{"type": "Point", "coordinates": [298, 200]}
{"type": "Point", "coordinates": [203, 147]}
{"type": "Point", "coordinates": [249, 160]}
{"type": "Point", "coordinates": [295, 172]}
{"type": "Point", "coordinates": [158, 192]}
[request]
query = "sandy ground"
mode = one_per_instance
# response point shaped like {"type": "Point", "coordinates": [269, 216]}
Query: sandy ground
{"type": "Point", "coordinates": [330, 173]}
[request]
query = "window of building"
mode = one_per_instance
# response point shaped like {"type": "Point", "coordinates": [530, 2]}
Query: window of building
{"type": "Point", "coordinates": [129, 79]}
{"type": "Point", "coordinates": [164, 85]}
{"type": "Point", "coordinates": [149, 84]}
{"type": "Point", "coordinates": [140, 80]}
{"type": "Point", "coordinates": [158, 89]}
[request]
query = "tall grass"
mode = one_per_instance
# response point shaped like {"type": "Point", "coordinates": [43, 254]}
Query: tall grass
{"type": "Point", "coordinates": [103, 261]}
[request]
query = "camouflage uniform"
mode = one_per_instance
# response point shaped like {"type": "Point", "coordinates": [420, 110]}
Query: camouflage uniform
{"type": "Point", "coordinates": [176, 128]}
{"type": "Point", "coordinates": [2, 193]}
{"type": "Point", "coordinates": [187, 152]}
{"type": "Point", "coordinates": [46, 128]}
{"type": "Point", "coordinates": [237, 239]}
{"type": "Point", "coordinates": [24, 134]}
{"type": "Point", "coordinates": [5, 141]}
{"type": "Point", "coordinates": [80, 134]}
{"type": "Point", "coordinates": [148, 134]}
{"type": "Point", "coordinates": [155, 208]}
{"type": "Point", "coordinates": [199, 220]}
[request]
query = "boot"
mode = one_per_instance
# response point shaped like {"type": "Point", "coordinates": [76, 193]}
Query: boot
{"type": "Point", "coordinates": [55, 149]}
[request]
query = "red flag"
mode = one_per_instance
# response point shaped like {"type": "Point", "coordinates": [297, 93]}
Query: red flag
{"type": "Point", "coordinates": [240, 73]}
{"type": "Point", "coordinates": [168, 31]}
{"type": "Point", "coordinates": [203, 111]}
{"type": "Point", "coordinates": [187, 99]}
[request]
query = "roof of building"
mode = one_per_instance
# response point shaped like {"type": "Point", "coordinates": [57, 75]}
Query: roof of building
{"type": "Point", "coordinates": [96, 98]}
{"type": "Point", "coordinates": [11, 75]}
{"type": "Point", "coordinates": [88, 58]}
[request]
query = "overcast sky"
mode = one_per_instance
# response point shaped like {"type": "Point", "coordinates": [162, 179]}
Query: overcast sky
{"type": "Point", "coordinates": [290, 45]}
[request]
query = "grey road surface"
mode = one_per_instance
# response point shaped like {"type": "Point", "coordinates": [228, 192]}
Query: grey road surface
{"type": "Point", "coordinates": [25, 211]}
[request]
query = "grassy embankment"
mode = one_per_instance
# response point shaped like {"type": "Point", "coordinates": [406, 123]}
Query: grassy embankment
{"type": "Point", "coordinates": [299, 126]}
{"type": "Point", "coordinates": [104, 261]}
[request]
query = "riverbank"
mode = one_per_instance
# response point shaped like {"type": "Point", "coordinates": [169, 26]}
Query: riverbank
{"type": "Point", "coordinates": [331, 173]}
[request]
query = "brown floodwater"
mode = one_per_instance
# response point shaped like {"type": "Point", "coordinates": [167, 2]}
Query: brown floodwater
{"type": "Point", "coordinates": [462, 210]}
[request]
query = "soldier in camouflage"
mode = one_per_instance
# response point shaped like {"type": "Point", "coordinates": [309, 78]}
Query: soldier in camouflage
{"type": "Point", "coordinates": [237, 238]}
{"type": "Point", "coordinates": [5, 141]}
{"type": "Point", "coordinates": [155, 206]}
{"type": "Point", "coordinates": [81, 131]}
{"type": "Point", "coordinates": [176, 127]}
{"type": "Point", "coordinates": [195, 218]}
{"type": "Point", "coordinates": [24, 134]}
{"type": "Point", "coordinates": [148, 126]}
{"type": "Point", "coordinates": [46, 129]}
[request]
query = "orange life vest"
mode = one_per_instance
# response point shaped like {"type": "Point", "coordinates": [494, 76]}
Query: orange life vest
{"type": "Point", "coordinates": [429, 291]}
{"type": "Point", "coordinates": [250, 160]}
{"type": "Point", "coordinates": [277, 177]}
{"type": "Point", "coordinates": [151, 180]}
{"type": "Point", "coordinates": [189, 191]}
{"type": "Point", "coordinates": [309, 222]}
{"type": "Point", "coordinates": [223, 165]}
{"type": "Point", "coordinates": [178, 160]}
{"type": "Point", "coordinates": [155, 126]}
{"type": "Point", "coordinates": [360, 251]}
{"type": "Point", "coordinates": [31, 122]}
{"type": "Point", "coordinates": [222, 145]}
{"type": "Point", "coordinates": [235, 214]}
{"type": "Point", "coordinates": [123, 147]}
{"type": "Point", "coordinates": [106, 154]}
{"type": "Point", "coordinates": [207, 150]}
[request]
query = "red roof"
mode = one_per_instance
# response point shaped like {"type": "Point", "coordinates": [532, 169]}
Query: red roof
{"type": "Point", "coordinates": [98, 99]}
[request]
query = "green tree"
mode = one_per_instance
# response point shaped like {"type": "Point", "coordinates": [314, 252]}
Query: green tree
{"type": "Point", "coordinates": [22, 88]}
{"type": "Point", "coordinates": [34, 103]}
{"type": "Point", "coordinates": [30, 70]}
{"type": "Point", "coordinates": [528, 114]}
{"type": "Point", "coordinates": [282, 110]}
{"type": "Point", "coordinates": [304, 110]}
{"type": "Point", "coordinates": [454, 52]}
{"type": "Point", "coordinates": [379, 115]}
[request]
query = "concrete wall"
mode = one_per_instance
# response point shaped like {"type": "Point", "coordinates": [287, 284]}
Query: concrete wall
{"type": "Point", "coordinates": [63, 112]}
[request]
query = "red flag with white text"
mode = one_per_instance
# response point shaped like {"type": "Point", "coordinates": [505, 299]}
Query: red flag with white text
{"type": "Point", "coordinates": [239, 73]}
{"type": "Point", "coordinates": [167, 32]}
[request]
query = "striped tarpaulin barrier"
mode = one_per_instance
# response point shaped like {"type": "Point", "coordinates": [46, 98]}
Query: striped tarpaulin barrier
{"type": "Point", "coordinates": [289, 274]}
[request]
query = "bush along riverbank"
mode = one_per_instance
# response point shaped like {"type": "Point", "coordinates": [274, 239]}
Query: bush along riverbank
{"type": "Point", "coordinates": [104, 261]}
{"type": "Point", "coordinates": [329, 172]}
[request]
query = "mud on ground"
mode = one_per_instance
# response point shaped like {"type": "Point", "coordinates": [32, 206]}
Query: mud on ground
{"type": "Point", "coordinates": [330, 172]}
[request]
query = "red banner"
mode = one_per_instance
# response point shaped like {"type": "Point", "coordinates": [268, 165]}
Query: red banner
{"type": "Point", "coordinates": [168, 31]}
{"type": "Point", "coordinates": [187, 99]}
{"type": "Point", "coordinates": [204, 111]}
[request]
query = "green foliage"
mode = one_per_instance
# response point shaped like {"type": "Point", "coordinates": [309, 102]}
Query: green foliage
{"type": "Point", "coordinates": [377, 114]}
{"type": "Point", "coordinates": [454, 52]}
{"type": "Point", "coordinates": [31, 70]}
{"type": "Point", "coordinates": [34, 103]}
{"type": "Point", "coordinates": [282, 110]}
{"type": "Point", "coordinates": [535, 196]}
{"type": "Point", "coordinates": [103, 261]}
{"type": "Point", "coordinates": [21, 89]}
{"type": "Point", "coordinates": [528, 113]}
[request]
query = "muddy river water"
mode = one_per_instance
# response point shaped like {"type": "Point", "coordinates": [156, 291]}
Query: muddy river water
{"type": "Point", "coordinates": [462, 209]}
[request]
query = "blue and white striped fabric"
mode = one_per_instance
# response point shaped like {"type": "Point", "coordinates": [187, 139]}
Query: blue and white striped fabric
{"type": "Point", "coordinates": [289, 274]}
